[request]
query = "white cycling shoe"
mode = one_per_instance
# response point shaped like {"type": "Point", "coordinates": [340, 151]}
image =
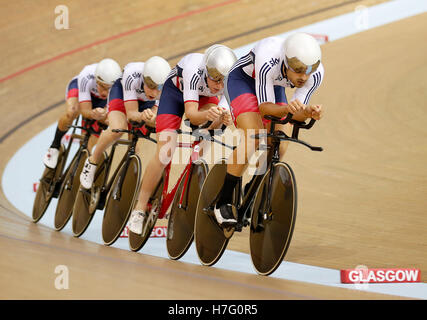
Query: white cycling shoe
{"type": "Point", "coordinates": [224, 215]}
{"type": "Point", "coordinates": [136, 221]}
{"type": "Point", "coordinates": [88, 174]}
{"type": "Point", "coordinates": [50, 159]}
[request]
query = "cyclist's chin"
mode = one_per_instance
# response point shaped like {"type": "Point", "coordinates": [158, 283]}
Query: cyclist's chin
{"type": "Point", "coordinates": [299, 84]}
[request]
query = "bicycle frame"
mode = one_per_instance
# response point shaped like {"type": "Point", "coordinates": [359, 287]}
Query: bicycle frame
{"type": "Point", "coordinates": [84, 138]}
{"type": "Point", "coordinates": [167, 197]}
{"type": "Point", "coordinates": [106, 184]}
{"type": "Point", "coordinates": [273, 157]}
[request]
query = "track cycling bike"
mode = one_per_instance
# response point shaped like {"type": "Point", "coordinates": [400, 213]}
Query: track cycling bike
{"type": "Point", "coordinates": [55, 182]}
{"type": "Point", "coordinates": [115, 195]}
{"type": "Point", "coordinates": [181, 199]}
{"type": "Point", "coordinates": [268, 206]}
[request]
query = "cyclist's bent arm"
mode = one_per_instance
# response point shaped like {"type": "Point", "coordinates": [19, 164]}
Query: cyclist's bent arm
{"type": "Point", "coordinates": [196, 117]}
{"type": "Point", "coordinates": [132, 111]}
{"type": "Point", "coordinates": [272, 109]}
{"type": "Point", "coordinates": [86, 110]}
{"type": "Point", "coordinates": [280, 111]}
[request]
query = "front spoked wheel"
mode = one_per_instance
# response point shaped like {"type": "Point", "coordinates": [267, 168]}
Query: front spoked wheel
{"type": "Point", "coordinates": [272, 226]}
{"type": "Point", "coordinates": [181, 218]}
{"type": "Point", "coordinates": [46, 187]}
{"type": "Point", "coordinates": [121, 199]}
{"type": "Point", "coordinates": [137, 241]}
{"type": "Point", "coordinates": [84, 208]}
{"type": "Point", "coordinates": [209, 237]}
{"type": "Point", "coordinates": [69, 188]}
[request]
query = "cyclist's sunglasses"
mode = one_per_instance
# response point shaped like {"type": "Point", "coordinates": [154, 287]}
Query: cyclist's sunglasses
{"type": "Point", "coordinates": [152, 85]}
{"type": "Point", "coordinates": [298, 67]}
{"type": "Point", "coordinates": [214, 75]}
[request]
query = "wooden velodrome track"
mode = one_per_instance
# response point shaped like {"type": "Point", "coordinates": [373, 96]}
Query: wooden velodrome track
{"type": "Point", "coordinates": [362, 201]}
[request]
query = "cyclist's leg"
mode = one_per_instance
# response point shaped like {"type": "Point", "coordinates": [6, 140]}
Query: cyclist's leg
{"type": "Point", "coordinates": [250, 123]}
{"type": "Point", "coordinates": [245, 112]}
{"type": "Point", "coordinates": [66, 119]}
{"type": "Point", "coordinates": [281, 99]}
{"type": "Point", "coordinates": [71, 112]}
{"type": "Point", "coordinates": [169, 116]}
{"type": "Point", "coordinates": [166, 144]}
{"type": "Point", "coordinates": [116, 120]}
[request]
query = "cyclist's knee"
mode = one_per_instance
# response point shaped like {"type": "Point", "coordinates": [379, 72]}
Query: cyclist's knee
{"type": "Point", "coordinates": [71, 114]}
{"type": "Point", "coordinates": [72, 108]}
{"type": "Point", "coordinates": [164, 152]}
{"type": "Point", "coordinates": [116, 135]}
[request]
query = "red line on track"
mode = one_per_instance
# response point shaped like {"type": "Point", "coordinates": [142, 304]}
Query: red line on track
{"type": "Point", "coordinates": [117, 36]}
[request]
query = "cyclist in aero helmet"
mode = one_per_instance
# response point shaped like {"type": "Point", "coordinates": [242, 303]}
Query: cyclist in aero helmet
{"type": "Point", "coordinates": [86, 93]}
{"type": "Point", "coordinates": [133, 98]}
{"type": "Point", "coordinates": [256, 87]}
{"type": "Point", "coordinates": [302, 55]}
{"type": "Point", "coordinates": [107, 72]}
{"type": "Point", "coordinates": [193, 88]}
{"type": "Point", "coordinates": [218, 61]}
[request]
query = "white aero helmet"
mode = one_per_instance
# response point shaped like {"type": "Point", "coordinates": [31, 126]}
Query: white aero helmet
{"type": "Point", "coordinates": [302, 53]}
{"type": "Point", "coordinates": [156, 71]}
{"type": "Point", "coordinates": [219, 59]}
{"type": "Point", "coordinates": [108, 71]}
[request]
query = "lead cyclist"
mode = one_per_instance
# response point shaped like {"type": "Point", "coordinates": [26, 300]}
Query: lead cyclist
{"type": "Point", "coordinates": [255, 87]}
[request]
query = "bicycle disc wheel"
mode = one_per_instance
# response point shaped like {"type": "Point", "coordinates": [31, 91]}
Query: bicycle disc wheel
{"type": "Point", "coordinates": [136, 241]}
{"type": "Point", "coordinates": [46, 188]}
{"type": "Point", "coordinates": [120, 201]}
{"type": "Point", "coordinates": [209, 236]}
{"type": "Point", "coordinates": [270, 238]}
{"type": "Point", "coordinates": [68, 192]}
{"type": "Point", "coordinates": [181, 219]}
{"type": "Point", "coordinates": [83, 209]}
